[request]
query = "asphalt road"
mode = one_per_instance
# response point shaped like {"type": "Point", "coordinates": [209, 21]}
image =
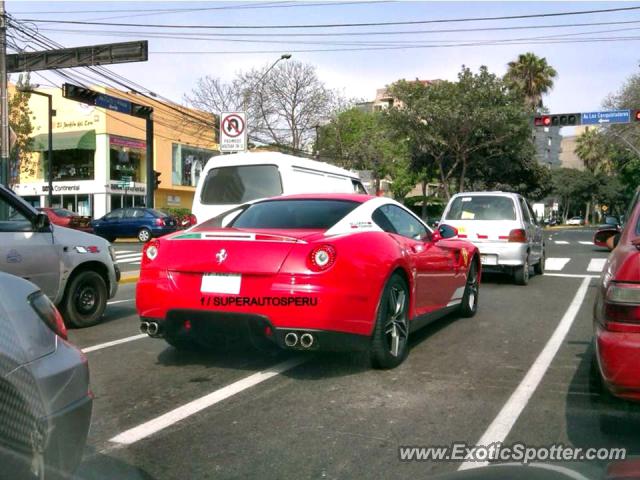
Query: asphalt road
{"type": "Point", "coordinates": [128, 255]}
{"type": "Point", "coordinates": [164, 414]}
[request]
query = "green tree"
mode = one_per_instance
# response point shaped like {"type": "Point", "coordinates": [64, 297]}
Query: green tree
{"type": "Point", "coordinates": [452, 126]}
{"type": "Point", "coordinates": [574, 188]}
{"type": "Point", "coordinates": [532, 77]}
{"type": "Point", "coordinates": [20, 123]}
{"type": "Point", "coordinates": [592, 149]}
{"type": "Point", "coordinates": [362, 141]}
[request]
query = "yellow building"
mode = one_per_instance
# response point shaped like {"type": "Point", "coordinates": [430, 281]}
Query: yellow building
{"type": "Point", "coordinates": [99, 156]}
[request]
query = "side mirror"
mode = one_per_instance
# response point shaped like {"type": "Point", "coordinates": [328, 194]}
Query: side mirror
{"type": "Point", "coordinates": [614, 241]}
{"type": "Point", "coordinates": [602, 238]}
{"type": "Point", "coordinates": [445, 231]}
{"type": "Point", "coordinates": [41, 222]}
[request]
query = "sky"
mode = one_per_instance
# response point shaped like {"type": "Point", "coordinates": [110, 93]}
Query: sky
{"type": "Point", "coordinates": [587, 71]}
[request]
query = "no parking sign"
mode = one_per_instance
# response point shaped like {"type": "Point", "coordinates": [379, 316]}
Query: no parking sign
{"type": "Point", "coordinates": [233, 132]}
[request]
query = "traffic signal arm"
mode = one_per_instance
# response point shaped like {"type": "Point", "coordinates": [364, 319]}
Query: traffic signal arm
{"type": "Point", "coordinates": [559, 120]}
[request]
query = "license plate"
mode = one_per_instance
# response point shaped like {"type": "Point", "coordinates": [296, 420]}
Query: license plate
{"type": "Point", "coordinates": [221, 283]}
{"type": "Point", "coordinates": [488, 259]}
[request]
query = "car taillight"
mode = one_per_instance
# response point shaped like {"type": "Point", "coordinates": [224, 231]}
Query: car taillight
{"type": "Point", "coordinates": [48, 313]}
{"type": "Point", "coordinates": [150, 251]}
{"type": "Point", "coordinates": [159, 222]}
{"type": "Point", "coordinates": [322, 257]}
{"type": "Point", "coordinates": [622, 304]}
{"type": "Point", "coordinates": [517, 236]}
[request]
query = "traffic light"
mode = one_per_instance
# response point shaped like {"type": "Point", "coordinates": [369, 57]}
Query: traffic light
{"type": "Point", "coordinates": [156, 179]}
{"type": "Point", "coordinates": [559, 120]}
{"type": "Point", "coordinates": [79, 94]}
{"type": "Point", "coordinates": [142, 111]}
{"type": "Point", "coordinates": [636, 115]}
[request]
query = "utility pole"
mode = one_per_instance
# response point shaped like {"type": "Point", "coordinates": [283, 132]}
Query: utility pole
{"type": "Point", "coordinates": [4, 101]}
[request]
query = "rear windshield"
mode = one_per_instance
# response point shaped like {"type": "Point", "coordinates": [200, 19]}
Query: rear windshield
{"type": "Point", "coordinates": [294, 214]}
{"type": "Point", "coordinates": [63, 212]}
{"type": "Point", "coordinates": [157, 213]}
{"type": "Point", "coordinates": [482, 207]}
{"type": "Point", "coordinates": [240, 184]}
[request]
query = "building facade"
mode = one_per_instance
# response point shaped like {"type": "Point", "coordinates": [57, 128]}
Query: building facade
{"type": "Point", "coordinates": [99, 156]}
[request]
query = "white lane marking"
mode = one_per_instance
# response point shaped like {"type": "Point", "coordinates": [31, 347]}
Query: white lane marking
{"type": "Point", "coordinates": [130, 260]}
{"type": "Point", "coordinates": [136, 263]}
{"type": "Point", "coordinates": [100, 346]}
{"type": "Point", "coordinates": [569, 275]}
{"type": "Point", "coordinates": [163, 421]}
{"type": "Point", "coordinates": [506, 419]}
{"type": "Point", "coordinates": [596, 264]}
{"type": "Point", "coordinates": [555, 264]}
{"type": "Point", "coordinates": [118, 252]}
{"type": "Point", "coordinates": [561, 242]}
{"type": "Point", "coordinates": [129, 255]}
{"type": "Point", "coordinates": [116, 302]}
{"type": "Point", "coordinates": [582, 242]}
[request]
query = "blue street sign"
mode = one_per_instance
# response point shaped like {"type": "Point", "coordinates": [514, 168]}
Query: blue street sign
{"type": "Point", "coordinates": [113, 103]}
{"type": "Point", "coordinates": [613, 116]}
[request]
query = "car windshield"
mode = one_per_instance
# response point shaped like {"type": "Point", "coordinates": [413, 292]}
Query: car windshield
{"type": "Point", "coordinates": [157, 213]}
{"type": "Point", "coordinates": [293, 214]}
{"type": "Point", "coordinates": [481, 207]}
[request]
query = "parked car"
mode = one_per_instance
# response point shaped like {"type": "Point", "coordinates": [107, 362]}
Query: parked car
{"type": "Point", "coordinates": [503, 227]}
{"type": "Point", "coordinates": [575, 221]}
{"type": "Point", "coordinates": [140, 222]}
{"type": "Point", "coordinates": [67, 218]}
{"type": "Point", "coordinates": [616, 319]}
{"type": "Point", "coordinates": [45, 400]}
{"type": "Point", "coordinates": [292, 271]}
{"type": "Point", "coordinates": [232, 180]}
{"type": "Point", "coordinates": [76, 270]}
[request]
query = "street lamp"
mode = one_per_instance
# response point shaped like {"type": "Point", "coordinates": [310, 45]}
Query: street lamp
{"type": "Point", "coordinates": [284, 56]}
{"type": "Point", "coordinates": [27, 87]}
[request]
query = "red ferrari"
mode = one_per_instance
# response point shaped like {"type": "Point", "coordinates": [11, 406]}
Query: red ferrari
{"type": "Point", "coordinates": [617, 312]}
{"type": "Point", "coordinates": [67, 218]}
{"type": "Point", "coordinates": [308, 272]}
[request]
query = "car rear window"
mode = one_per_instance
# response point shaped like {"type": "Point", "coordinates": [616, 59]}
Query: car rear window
{"type": "Point", "coordinates": [157, 213]}
{"type": "Point", "coordinates": [240, 184]}
{"type": "Point", "coordinates": [294, 214]}
{"type": "Point", "coordinates": [481, 207]}
{"type": "Point", "coordinates": [63, 212]}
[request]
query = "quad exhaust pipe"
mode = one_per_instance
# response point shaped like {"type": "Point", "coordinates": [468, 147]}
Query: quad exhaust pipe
{"type": "Point", "coordinates": [304, 341]}
{"type": "Point", "coordinates": [291, 339]}
{"type": "Point", "coordinates": [150, 328]}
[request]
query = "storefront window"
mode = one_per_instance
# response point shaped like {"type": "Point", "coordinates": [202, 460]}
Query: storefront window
{"type": "Point", "coordinates": [123, 201]}
{"type": "Point", "coordinates": [71, 164]}
{"type": "Point", "coordinates": [127, 158]}
{"type": "Point", "coordinates": [188, 163]}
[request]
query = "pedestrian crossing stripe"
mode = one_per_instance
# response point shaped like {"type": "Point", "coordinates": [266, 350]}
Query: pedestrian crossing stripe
{"type": "Point", "coordinates": [558, 264]}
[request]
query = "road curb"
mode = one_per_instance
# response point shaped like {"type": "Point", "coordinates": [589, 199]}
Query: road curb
{"type": "Point", "coordinates": [129, 278]}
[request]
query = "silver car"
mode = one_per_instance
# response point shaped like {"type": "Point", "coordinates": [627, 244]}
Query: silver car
{"type": "Point", "coordinates": [45, 400]}
{"type": "Point", "coordinates": [504, 228]}
{"type": "Point", "coordinates": [75, 269]}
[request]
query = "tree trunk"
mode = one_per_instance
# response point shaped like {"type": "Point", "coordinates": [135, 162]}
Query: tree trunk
{"type": "Point", "coordinates": [423, 212]}
{"type": "Point", "coordinates": [463, 174]}
{"type": "Point", "coordinates": [587, 212]}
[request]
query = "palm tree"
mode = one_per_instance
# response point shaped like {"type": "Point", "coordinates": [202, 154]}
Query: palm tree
{"type": "Point", "coordinates": [532, 76]}
{"type": "Point", "coordinates": [591, 148]}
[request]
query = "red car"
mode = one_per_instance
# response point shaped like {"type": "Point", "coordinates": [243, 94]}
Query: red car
{"type": "Point", "coordinates": [308, 272]}
{"type": "Point", "coordinates": [617, 312]}
{"type": "Point", "coordinates": [67, 218]}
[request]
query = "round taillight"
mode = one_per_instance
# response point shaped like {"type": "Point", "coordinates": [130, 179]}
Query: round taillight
{"type": "Point", "coordinates": [322, 257]}
{"type": "Point", "coordinates": [151, 252]}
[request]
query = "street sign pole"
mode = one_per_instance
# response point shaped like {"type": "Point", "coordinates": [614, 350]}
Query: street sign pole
{"type": "Point", "coordinates": [4, 101]}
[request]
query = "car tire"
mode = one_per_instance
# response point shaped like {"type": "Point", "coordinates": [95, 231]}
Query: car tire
{"type": "Point", "coordinates": [144, 235]}
{"type": "Point", "coordinates": [85, 300]}
{"type": "Point", "coordinates": [390, 339]}
{"type": "Point", "coordinates": [469, 305]}
{"type": "Point", "coordinates": [538, 268]}
{"type": "Point", "coordinates": [521, 274]}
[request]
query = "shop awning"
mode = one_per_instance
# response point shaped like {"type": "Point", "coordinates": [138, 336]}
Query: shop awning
{"type": "Point", "coordinates": [83, 140]}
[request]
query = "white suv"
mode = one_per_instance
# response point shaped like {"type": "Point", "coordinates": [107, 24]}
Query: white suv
{"type": "Point", "coordinates": [503, 227]}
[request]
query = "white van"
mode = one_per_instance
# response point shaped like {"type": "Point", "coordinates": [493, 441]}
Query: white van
{"type": "Point", "coordinates": [231, 180]}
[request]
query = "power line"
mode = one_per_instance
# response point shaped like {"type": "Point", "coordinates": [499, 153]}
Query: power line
{"type": "Point", "coordinates": [339, 25]}
{"type": "Point", "coordinates": [210, 36]}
